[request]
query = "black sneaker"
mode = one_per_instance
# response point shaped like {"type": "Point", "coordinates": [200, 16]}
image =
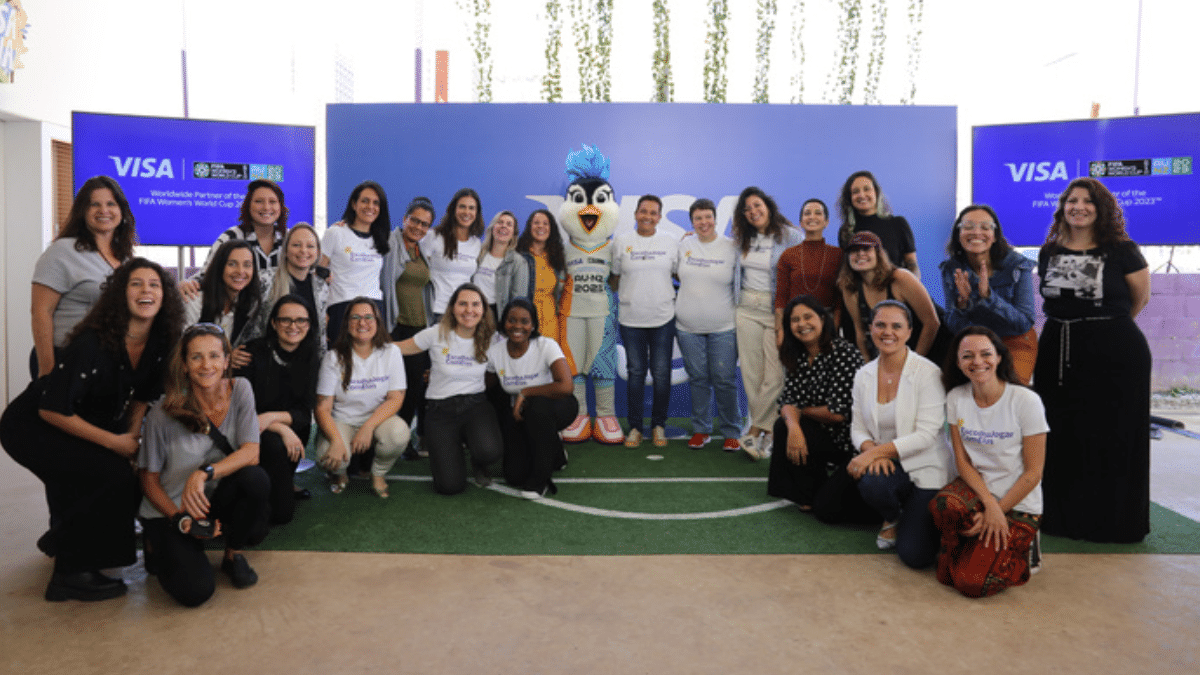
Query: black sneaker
{"type": "Point", "coordinates": [1035, 554]}
{"type": "Point", "coordinates": [239, 571]}
{"type": "Point", "coordinates": [85, 586]}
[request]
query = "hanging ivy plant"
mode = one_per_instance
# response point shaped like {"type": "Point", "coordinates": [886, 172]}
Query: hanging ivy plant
{"type": "Point", "coordinates": [762, 50]}
{"type": "Point", "coordinates": [603, 79]}
{"type": "Point", "coordinates": [582, 20]}
{"type": "Point", "coordinates": [875, 61]}
{"type": "Point", "coordinates": [798, 51]}
{"type": "Point", "coordinates": [552, 80]}
{"type": "Point", "coordinates": [479, 41]}
{"type": "Point", "coordinates": [664, 87]}
{"type": "Point", "coordinates": [915, 10]}
{"type": "Point", "coordinates": [716, 78]}
{"type": "Point", "coordinates": [849, 23]}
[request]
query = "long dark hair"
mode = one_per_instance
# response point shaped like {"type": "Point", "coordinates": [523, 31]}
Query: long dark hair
{"type": "Point", "coordinates": [851, 281]}
{"type": "Point", "coordinates": [846, 207]}
{"type": "Point", "coordinates": [124, 237]}
{"type": "Point", "coordinates": [216, 296]}
{"type": "Point", "coordinates": [743, 231]}
{"type": "Point", "coordinates": [308, 346]}
{"type": "Point", "coordinates": [247, 223]}
{"type": "Point", "coordinates": [792, 350]}
{"type": "Point", "coordinates": [109, 317]}
{"type": "Point", "coordinates": [519, 303]}
{"type": "Point", "coordinates": [381, 229]}
{"type": "Point", "coordinates": [1000, 247]}
{"type": "Point", "coordinates": [555, 254]}
{"type": "Point", "coordinates": [344, 344]}
{"type": "Point", "coordinates": [952, 375]}
{"type": "Point", "coordinates": [445, 226]}
{"type": "Point", "coordinates": [1110, 218]}
{"type": "Point", "coordinates": [179, 401]}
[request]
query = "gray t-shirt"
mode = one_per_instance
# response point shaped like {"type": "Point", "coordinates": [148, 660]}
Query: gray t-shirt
{"type": "Point", "coordinates": [76, 276]}
{"type": "Point", "coordinates": [173, 452]}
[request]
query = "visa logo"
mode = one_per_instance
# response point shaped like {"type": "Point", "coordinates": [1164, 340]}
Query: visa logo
{"type": "Point", "coordinates": [1037, 171]}
{"type": "Point", "coordinates": [142, 167]}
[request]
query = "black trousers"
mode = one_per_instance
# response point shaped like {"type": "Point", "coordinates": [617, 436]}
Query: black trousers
{"type": "Point", "coordinates": [93, 493]}
{"type": "Point", "coordinates": [832, 494]}
{"type": "Point", "coordinates": [532, 448]}
{"type": "Point", "coordinates": [179, 561]}
{"type": "Point", "coordinates": [451, 423]}
{"type": "Point", "coordinates": [273, 458]}
{"type": "Point", "coordinates": [415, 369]}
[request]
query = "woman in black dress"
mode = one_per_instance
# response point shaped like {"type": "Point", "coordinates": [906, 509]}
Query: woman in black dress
{"type": "Point", "coordinates": [1093, 371]}
{"type": "Point", "coordinates": [78, 428]}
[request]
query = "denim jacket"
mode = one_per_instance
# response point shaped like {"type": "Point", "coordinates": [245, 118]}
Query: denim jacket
{"type": "Point", "coordinates": [1008, 309]}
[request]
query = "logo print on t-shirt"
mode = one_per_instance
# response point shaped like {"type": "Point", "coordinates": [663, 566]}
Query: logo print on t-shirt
{"type": "Point", "coordinates": [1074, 276]}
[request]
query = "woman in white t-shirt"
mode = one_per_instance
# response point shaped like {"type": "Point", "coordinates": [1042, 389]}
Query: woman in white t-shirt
{"type": "Point", "coordinates": [457, 412]}
{"type": "Point", "coordinates": [359, 391]}
{"type": "Point", "coordinates": [989, 516]}
{"type": "Point", "coordinates": [354, 254]}
{"type": "Point", "coordinates": [452, 248]}
{"type": "Point", "coordinates": [533, 371]}
{"type": "Point", "coordinates": [643, 263]}
{"type": "Point", "coordinates": [499, 245]}
{"type": "Point", "coordinates": [704, 325]}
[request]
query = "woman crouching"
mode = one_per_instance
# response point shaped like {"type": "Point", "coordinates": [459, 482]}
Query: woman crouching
{"type": "Point", "coordinates": [198, 471]}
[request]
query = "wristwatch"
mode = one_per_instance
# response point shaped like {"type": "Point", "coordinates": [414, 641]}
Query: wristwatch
{"type": "Point", "coordinates": [208, 470]}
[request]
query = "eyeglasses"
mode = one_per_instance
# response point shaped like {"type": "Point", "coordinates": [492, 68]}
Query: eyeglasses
{"type": "Point", "coordinates": [413, 220]}
{"type": "Point", "coordinates": [203, 329]}
{"type": "Point", "coordinates": [968, 226]}
{"type": "Point", "coordinates": [288, 321]}
{"type": "Point", "coordinates": [361, 317]}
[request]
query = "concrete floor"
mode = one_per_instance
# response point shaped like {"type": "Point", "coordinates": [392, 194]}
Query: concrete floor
{"type": "Point", "coordinates": [365, 613]}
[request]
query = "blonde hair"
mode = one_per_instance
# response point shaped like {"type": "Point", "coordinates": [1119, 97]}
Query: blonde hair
{"type": "Point", "coordinates": [488, 240]}
{"type": "Point", "coordinates": [281, 285]}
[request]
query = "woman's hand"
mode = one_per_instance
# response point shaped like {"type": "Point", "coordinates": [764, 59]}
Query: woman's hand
{"type": "Point", "coordinates": [295, 446]}
{"type": "Point", "coordinates": [797, 446]}
{"type": "Point", "coordinates": [983, 279]}
{"type": "Point", "coordinates": [126, 444]}
{"type": "Point", "coordinates": [881, 466]}
{"type": "Point", "coordinates": [517, 406]}
{"type": "Point", "coordinates": [962, 282]}
{"type": "Point", "coordinates": [193, 500]}
{"type": "Point", "coordinates": [362, 440]}
{"type": "Point", "coordinates": [189, 289]}
{"type": "Point", "coordinates": [858, 466]}
{"type": "Point", "coordinates": [336, 456]}
{"type": "Point", "coordinates": [240, 357]}
{"type": "Point", "coordinates": [991, 526]}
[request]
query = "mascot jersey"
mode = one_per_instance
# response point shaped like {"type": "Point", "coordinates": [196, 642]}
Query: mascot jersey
{"type": "Point", "coordinates": [586, 294]}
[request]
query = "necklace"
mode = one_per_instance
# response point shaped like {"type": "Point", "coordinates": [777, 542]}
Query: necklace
{"type": "Point", "coordinates": [811, 290]}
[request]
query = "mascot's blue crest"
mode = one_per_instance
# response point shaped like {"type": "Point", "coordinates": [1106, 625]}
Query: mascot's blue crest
{"type": "Point", "coordinates": [587, 163]}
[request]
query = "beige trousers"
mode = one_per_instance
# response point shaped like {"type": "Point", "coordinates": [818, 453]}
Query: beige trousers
{"type": "Point", "coordinates": [762, 373]}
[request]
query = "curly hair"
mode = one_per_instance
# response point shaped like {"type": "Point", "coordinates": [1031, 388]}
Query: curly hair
{"type": "Point", "coordinates": [1000, 247]}
{"type": "Point", "coordinates": [743, 231]}
{"type": "Point", "coordinates": [124, 237]}
{"type": "Point", "coordinates": [953, 376]}
{"type": "Point", "coordinates": [555, 253]}
{"type": "Point", "coordinates": [179, 400]}
{"type": "Point", "coordinates": [343, 346]}
{"type": "Point", "coordinates": [246, 223]}
{"type": "Point", "coordinates": [1110, 218]}
{"type": "Point", "coordinates": [381, 228]}
{"type": "Point", "coordinates": [792, 350]}
{"type": "Point", "coordinates": [216, 295]}
{"type": "Point", "coordinates": [846, 207]}
{"type": "Point", "coordinates": [445, 227]}
{"type": "Point", "coordinates": [109, 317]}
{"type": "Point", "coordinates": [483, 331]}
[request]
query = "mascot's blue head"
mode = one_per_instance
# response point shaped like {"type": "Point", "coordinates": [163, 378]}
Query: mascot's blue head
{"type": "Point", "coordinates": [589, 214]}
{"type": "Point", "coordinates": [587, 163]}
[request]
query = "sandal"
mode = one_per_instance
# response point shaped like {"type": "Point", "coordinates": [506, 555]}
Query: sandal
{"type": "Point", "coordinates": [885, 543]}
{"type": "Point", "coordinates": [338, 484]}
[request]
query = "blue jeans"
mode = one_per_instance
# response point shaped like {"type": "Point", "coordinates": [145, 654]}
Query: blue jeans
{"type": "Point", "coordinates": [896, 497]}
{"type": "Point", "coordinates": [654, 343]}
{"type": "Point", "coordinates": [711, 363]}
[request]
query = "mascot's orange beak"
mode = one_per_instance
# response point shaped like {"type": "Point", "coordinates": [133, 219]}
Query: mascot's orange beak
{"type": "Point", "coordinates": [589, 217]}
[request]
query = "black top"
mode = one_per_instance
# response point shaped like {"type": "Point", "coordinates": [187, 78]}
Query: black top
{"type": "Point", "coordinates": [282, 381]}
{"type": "Point", "coordinates": [828, 381]}
{"type": "Point", "coordinates": [1077, 284]}
{"type": "Point", "coordinates": [99, 386]}
{"type": "Point", "coordinates": [893, 231]}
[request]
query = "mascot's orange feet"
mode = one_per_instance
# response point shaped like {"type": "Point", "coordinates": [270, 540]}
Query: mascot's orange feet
{"type": "Point", "coordinates": [579, 431]}
{"type": "Point", "coordinates": [607, 430]}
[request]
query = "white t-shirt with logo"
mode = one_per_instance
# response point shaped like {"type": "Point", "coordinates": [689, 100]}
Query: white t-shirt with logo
{"type": "Point", "coordinates": [645, 265]}
{"type": "Point", "coordinates": [370, 381]}
{"type": "Point", "coordinates": [355, 265]}
{"type": "Point", "coordinates": [454, 370]}
{"type": "Point", "coordinates": [447, 274]}
{"type": "Point", "coordinates": [485, 277]}
{"type": "Point", "coordinates": [994, 436]}
{"type": "Point", "coordinates": [756, 266]}
{"type": "Point", "coordinates": [530, 370]}
{"type": "Point", "coordinates": [705, 271]}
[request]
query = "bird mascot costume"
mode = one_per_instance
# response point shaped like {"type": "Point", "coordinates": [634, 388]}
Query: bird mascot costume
{"type": "Point", "coordinates": [589, 215]}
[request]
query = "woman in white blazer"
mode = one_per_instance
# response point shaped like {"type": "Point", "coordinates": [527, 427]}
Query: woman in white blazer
{"type": "Point", "coordinates": [897, 426]}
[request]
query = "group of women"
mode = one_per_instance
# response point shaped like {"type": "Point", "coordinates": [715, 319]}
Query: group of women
{"type": "Point", "coordinates": [370, 328]}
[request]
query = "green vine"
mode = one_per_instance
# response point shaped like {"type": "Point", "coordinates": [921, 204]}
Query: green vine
{"type": "Point", "coordinates": [849, 23]}
{"type": "Point", "coordinates": [762, 50]}
{"type": "Point", "coordinates": [482, 10]}
{"type": "Point", "coordinates": [664, 87]}
{"type": "Point", "coordinates": [798, 51]}
{"type": "Point", "coordinates": [915, 10]}
{"type": "Point", "coordinates": [552, 80]}
{"type": "Point", "coordinates": [604, 13]}
{"type": "Point", "coordinates": [875, 61]}
{"type": "Point", "coordinates": [716, 79]}
{"type": "Point", "coordinates": [594, 49]}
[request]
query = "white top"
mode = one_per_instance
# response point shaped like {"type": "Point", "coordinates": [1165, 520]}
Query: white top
{"type": "Point", "coordinates": [756, 266]}
{"type": "Point", "coordinates": [454, 370]}
{"type": "Point", "coordinates": [531, 370]}
{"type": "Point", "coordinates": [76, 276]}
{"type": "Point", "coordinates": [173, 452]}
{"type": "Point", "coordinates": [586, 294]}
{"type": "Point", "coordinates": [920, 417]}
{"type": "Point", "coordinates": [485, 277]}
{"type": "Point", "coordinates": [370, 381]}
{"type": "Point", "coordinates": [354, 262]}
{"type": "Point", "coordinates": [448, 275]}
{"type": "Point", "coordinates": [645, 265]}
{"type": "Point", "coordinates": [705, 271]}
{"type": "Point", "coordinates": [994, 437]}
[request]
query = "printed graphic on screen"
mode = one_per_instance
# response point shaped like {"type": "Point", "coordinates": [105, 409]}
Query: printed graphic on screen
{"type": "Point", "coordinates": [1074, 276]}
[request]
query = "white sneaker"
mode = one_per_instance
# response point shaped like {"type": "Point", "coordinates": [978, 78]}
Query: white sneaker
{"type": "Point", "coordinates": [766, 441]}
{"type": "Point", "coordinates": [750, 446]}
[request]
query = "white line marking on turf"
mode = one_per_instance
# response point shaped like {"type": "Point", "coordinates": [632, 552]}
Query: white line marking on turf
{"type": "Point", "coordinates": [630, 515]}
